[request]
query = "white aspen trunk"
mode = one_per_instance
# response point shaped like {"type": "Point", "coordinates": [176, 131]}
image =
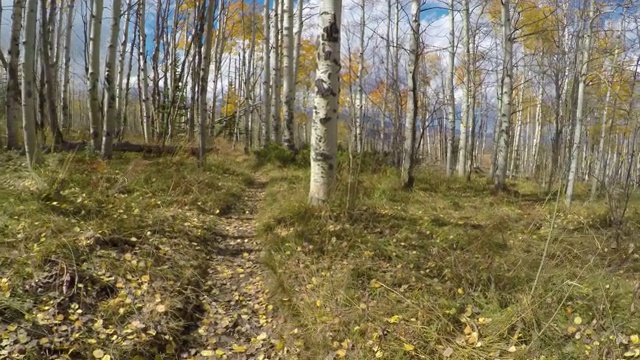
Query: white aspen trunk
{"type": "Point", "coordinates": [204, 81]}
{"type": "Point", "coordinates": [266, 79]}
{"type": "Point", "coordinates": [408, 159]}
{"type": "Point", "coordinates": [385, 94]}
{"type": "Point", "coordinates": [537, 136]}
{"type": "Point", "coordinates": [288, 73]}
{"type": "Point", "coordinates": [466, 93]}
{"type": "Point", "coordinates": [143, 76]}
{"type": "Point", "coordinates": [507, 91]}
{"type": "Point", "coordinates": [397, 122]}
{"type": "Point", "coordinates": [584, 71]}
{"type": "Point", "coordinates": [65, 121]}
{"type": "Point", "coordinates": [120, 91]}
{"type": "Point", "coordinates": [28, 88]}
{"type": "Point", "coordinates": [599, 165]}
{"type": "Point", "coordinates": [451, 88]}
{"type": "Point", "coordinates": [248, 88]}
{"type": "Point", "coordinates": [296, 56]}
{"type": "Point", "coordinates": [95, 116]}
{"type": "Point", "coordinates": [360, 95]}
{"type": "Point", "coordinates": [13, 102]}
{"type": "Point", "coordinates": [517, 137]}
{"type": "Point", "coordinates": [276, 104]}
{"type": "Point", "coordinates": [110, 83]}
{"type": "Point", "coordinates": [324, 131]}
{"type": "Point", "coordinates": [49, 69]}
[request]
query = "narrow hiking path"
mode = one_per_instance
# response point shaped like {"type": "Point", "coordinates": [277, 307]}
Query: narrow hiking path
{"type": "Point", "coordinates": [237, 321]}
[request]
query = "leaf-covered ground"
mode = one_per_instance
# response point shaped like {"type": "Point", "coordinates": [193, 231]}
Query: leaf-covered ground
{"type": "Point", "coordinates": [448, 271]}
{"type": "Point", "coordinates": [155, 258]}
{"type": "Point", "coordinates": [131, 259]}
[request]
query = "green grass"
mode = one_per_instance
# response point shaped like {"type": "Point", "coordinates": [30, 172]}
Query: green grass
{"type": "Point", "coordinates": [110, 256]}
{"type": "Point", "coordinates": [445, 269]}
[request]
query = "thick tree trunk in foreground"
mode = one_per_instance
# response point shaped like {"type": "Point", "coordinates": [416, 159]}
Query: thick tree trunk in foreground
{"type": "Point", "coordinates": [324, 130]}
{"type": "Point", "coordinates": [95, 115]}
{"type": "Point", "coordinates": [109, 79]}
{"type": "Point", "coordinates": [408, 160]}
{"type": "Point", "coordinates": [500, 177]}
{"type": "Point", "coordinates": [13, 78]}
{"type": "Point", "coordinates": [28, 82]}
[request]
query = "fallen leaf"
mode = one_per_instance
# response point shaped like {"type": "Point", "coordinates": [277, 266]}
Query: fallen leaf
{"type": "Point", "coordinates": [98, 354]}
{"type": "Point", "coordinates": [238, 348]}
{"type": "Point", "coordinates": [408, 347]}
{"type": "Point", "coordinates": [577, 320]}
{"type": "Point", "coordinates": [341, 353]}
{"type": "Point", "coordinates": [447, 352]}
{"type": "Point", "coordinates": [207, 353]}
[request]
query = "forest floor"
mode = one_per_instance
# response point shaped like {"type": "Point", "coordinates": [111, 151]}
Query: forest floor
{"type": "Point", "coordinates": [156, 258]}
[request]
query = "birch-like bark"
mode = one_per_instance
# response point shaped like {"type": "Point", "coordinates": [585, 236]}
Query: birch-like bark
{"type": "Point", "coordinates": [466, 92]}
{"type": "Point", "coordinates": [248, 88]}
{"type": "Point", "coordinates": [584, 71]}
{"type": "Point", "coordinates": [143, 77]}
{"type": "Point", "coordinates": [324, 131]}
{"type": "Point", "coordinates": [13, 102]}
{"type": "Point", "coordinates": [408, 159]}
{"type": "Point", "coordinates": [276, 104]}
{"type": "Point", "coordinates": [537, 136]}
{"type": "Point", "coordinates": [507, 92]}
{"type": "Point", "coordinates": [120, 91]}
{"type": "Point", "coordinates": [28, 82]}
{"type": "Point", "coordinates": [451, 88]}
{"type": "Point", "coordinates": [287, 69]}
{"type": "Point", "coordinates": [110, 83]}
{"type": "Point", "coordinates": [599, 165]}
{"type": "Point", "coordinates": [49, 69]}
{"type": "Point", "coordinates": [95, 115]}
{"type": "Point", "coordinates": [65, 121]}
{"type": "Point", "coordinates": [266, 78]}
{"type": "Point", "coordinates": [204, 81]}
{"type": "Point", "coordinates": [360, 96]}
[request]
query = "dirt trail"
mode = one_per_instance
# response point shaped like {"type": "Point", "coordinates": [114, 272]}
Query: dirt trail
{"type": "Point", "coordinates": [237, 320]}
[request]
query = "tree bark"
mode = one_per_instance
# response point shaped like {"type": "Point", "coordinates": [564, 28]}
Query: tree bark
{"type": "Point", "coordinates": [13, 79]}
{"type": "Point", "coordinates": [408, 160]}
{"type": "Point", "coordinates": [324, 131]}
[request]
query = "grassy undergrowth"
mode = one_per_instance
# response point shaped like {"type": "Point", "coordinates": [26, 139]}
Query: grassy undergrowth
{"type": "Point", "coordinates": [101, 258]}
{"type": "Point", "coordinates": [447, 271]}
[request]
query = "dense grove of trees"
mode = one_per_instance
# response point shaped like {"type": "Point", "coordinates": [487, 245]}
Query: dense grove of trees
{"type": "Point", "coordinates": [541, 89]}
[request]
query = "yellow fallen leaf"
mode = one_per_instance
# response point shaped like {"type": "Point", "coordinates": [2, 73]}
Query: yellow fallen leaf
{"type": "Point", "coordinates": [219, 352]}
{"type": "Point", "coordinates": [207, 353]}
{"type": "Point", "coordinates": [394, 319]}
{"type": "Point", "coordinates": [408, 347]}
{"type": "Point", "coordinates": [512, 349]}
{"type": "Point", "coordinates": [106, 357]}
{"type": "Point", "coordinates": [98, 353]}
{"type": "Point", "coordinates": [238, 348]}
{"type": "Point", "coordinates": [341, 353]}
{"type": "Point", "coordinates": [635, 339]}
{"type": "Point", "coordinates": [375, 284]}
{"type": "Point", "coordinates": [632, 353]}
{"type": "Point", "coordinates": [577, 320]}
{"type": "Point", "coordinates": [473, 338]}
{"type": "Point", "coordinates": [127, 256]}
{"type": "Point", "coordinates": [571, 330]}
{"type": "Point", "coordinates": [160, 308]}
{"type": "Point", "coordinates": [262, 336]}
{"type": "Point", "coordinates": [461, 291]}
{"type": "Point", "coordinates": [379, 354]}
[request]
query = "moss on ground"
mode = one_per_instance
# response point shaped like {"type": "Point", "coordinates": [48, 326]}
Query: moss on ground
{"type": "Point", "coordinates": [446, 271]}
